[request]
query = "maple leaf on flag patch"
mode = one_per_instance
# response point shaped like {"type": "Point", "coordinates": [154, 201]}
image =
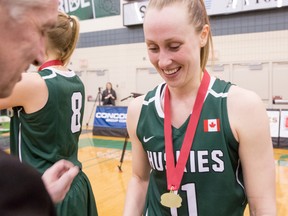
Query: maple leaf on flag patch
{"type": "Point", "coordinates": [211, 125]}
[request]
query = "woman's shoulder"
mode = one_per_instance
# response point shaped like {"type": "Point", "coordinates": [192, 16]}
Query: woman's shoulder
{"type": "Point", "coordinates": [243, 97]}
{"type": "Point", "coordinates": [244, 108]}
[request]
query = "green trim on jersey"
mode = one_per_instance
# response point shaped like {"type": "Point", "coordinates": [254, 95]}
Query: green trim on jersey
{"type": "Point", "coordinates": [212, 183]}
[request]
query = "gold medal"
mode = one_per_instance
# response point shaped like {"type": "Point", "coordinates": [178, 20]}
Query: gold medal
{"type": "Point", "coordinates": [171, 200]}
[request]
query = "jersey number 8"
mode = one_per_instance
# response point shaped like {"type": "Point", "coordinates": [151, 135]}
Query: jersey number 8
{"type": "Point", "coordinates": [76, 104]}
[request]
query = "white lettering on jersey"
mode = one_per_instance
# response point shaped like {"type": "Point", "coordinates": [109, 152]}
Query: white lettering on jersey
{"type": "Point", "coordinates": [150, 158]}
{"type": "Point", "coordinates": [206, 161]}
{"type": "Point", "coordinates": [202, 161]}
{"type": "Point", "coordinates": [158, 161]}
{"type": "Point", "coordinates": [192, 162]}
{"type": "Point", "coordinates": [219, 167]}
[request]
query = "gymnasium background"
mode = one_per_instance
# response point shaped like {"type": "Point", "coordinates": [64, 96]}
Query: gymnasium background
{"type": "Point", "coordinates": [250, 47]}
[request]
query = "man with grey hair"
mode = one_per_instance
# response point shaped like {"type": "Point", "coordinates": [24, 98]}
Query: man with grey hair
{"type": "Point", "coordinates": [23, 25]}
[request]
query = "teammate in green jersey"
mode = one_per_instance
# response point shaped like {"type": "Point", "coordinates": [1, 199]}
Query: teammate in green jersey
{"type": "Point", "coordinates": [230, 161]}
{"type": "Point", "coordinates": [48, 112]}
{"type": "Point", "coordinates": [22, 44]}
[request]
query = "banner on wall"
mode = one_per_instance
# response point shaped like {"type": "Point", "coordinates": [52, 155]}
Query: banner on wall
{"type": "Point", "coordinates": [110, 121]}
{"type": "Point", "coordinates": [215, 7]}
{"type": "Point", "coordinates": [274, 120]}
{"type": "Point", "coordinates": [133, 13]}
{"type": "Point", "coordinates": [90, 9]}
{"type": "Point", "coordinates": [283, 140]}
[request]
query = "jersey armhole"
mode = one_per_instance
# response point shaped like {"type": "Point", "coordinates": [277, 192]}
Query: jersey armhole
{"type": "Point", "coordinates": [229, 136]}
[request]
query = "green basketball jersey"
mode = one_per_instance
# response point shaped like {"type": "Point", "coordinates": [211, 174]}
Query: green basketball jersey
{"type": "Point", "coordinates": [212, 183]}
{"type": "Point", "coordinates": [50, 134]}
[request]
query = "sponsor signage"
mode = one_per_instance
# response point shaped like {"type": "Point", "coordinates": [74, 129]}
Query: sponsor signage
{"type": "Point", "coordinates": [133, 13]}
{"type": "Point", "coordinates": [274, 121]}
{"type": "Point", "coordinates": [284, 124]}
{"type": "Point", "coordinates": [110, 117]}
{"type": "Point", "coordinates": [283, 140]}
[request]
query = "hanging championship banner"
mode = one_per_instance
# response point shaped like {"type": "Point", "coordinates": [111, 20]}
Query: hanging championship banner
{"type": "Point", "coordinates": [215, 7]}
{"type": "Point", "coordinates": [90, 9]}
{"type": "Point", "coordinates": [133, 13]}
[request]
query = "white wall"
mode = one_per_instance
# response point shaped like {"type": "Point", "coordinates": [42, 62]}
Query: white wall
{"type": "Point", "coordinates": [237, 52]}
{"type": "Point", "coordinates": [264, 46]}
{"type": "Point", "coordinates": [121, 62]}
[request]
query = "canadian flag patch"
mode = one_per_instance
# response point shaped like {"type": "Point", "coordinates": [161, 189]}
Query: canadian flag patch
{"type": "Point", "coordinates": [211, 125]}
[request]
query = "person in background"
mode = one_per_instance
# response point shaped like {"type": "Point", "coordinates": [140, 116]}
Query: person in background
{"type": "Point", "coordinates": [200, 146]}
{"type": "Point", "coordinates": [48, 109]}
{"type": "Point", "coordinates": [109, 95]}
{"type": "Point", "coordinates": [23, 191]}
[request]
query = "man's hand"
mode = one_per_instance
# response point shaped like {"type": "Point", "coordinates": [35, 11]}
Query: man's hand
{"type": "Point", "coordinates": [58, 178]}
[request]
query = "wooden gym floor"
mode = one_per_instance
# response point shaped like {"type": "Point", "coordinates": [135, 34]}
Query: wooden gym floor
{"type": "Point", "coordinates": [100, 157]}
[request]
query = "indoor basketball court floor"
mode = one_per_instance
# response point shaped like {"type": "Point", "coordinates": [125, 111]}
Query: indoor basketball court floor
{"type": "Point", "coordinates": [101, 156]}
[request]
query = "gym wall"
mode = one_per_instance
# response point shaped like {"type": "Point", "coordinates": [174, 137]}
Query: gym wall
{"type": "Point", "coordinates": [250, 50]}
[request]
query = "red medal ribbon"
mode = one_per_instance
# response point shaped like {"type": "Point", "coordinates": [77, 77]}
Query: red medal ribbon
{"type": "Point", "coordinates": [175, 173]}
{"type": "Point", "coordinates": [50, 63]}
